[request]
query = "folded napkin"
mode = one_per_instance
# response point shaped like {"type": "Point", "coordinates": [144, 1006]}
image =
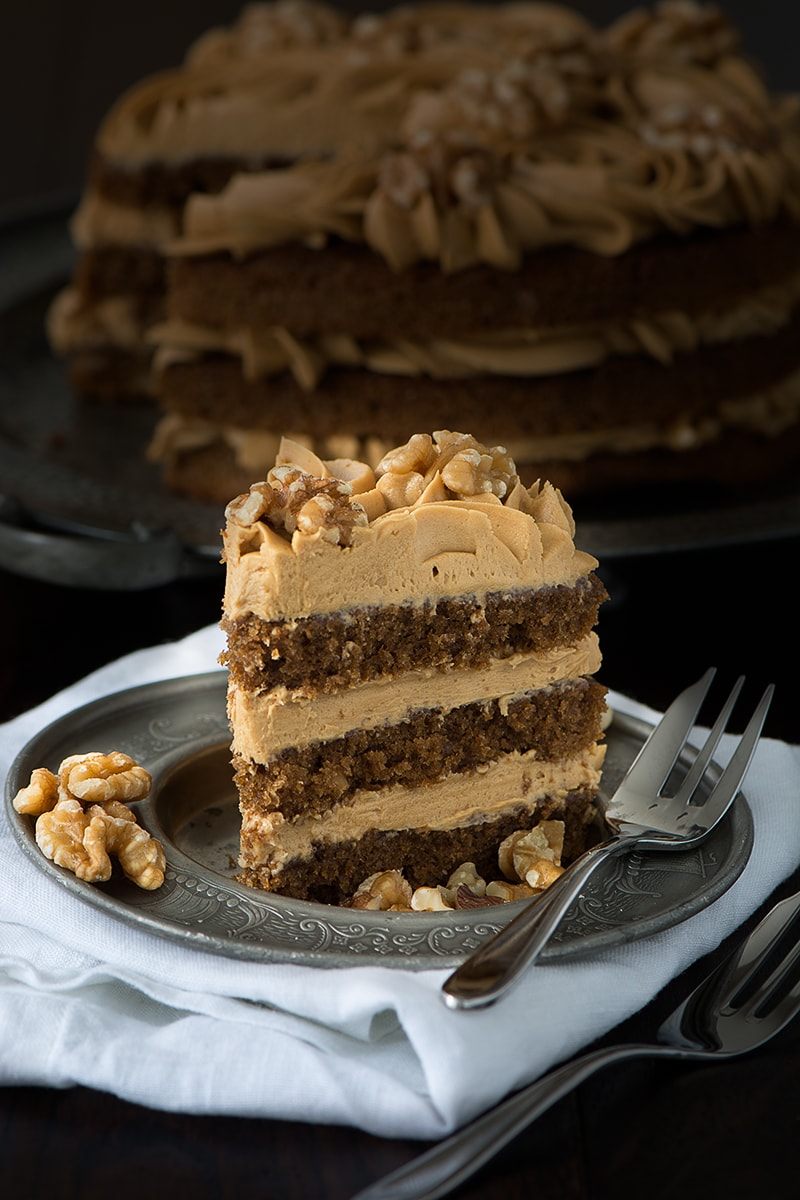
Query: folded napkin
{"type": "Point", "coordinates": [86, 999]}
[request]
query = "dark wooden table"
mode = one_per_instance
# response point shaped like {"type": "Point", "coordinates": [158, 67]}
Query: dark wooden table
{"type": "Point", "coordinates": [644, 1129]}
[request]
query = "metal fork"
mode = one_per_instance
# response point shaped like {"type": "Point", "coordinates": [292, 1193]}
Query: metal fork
{"type": "Point", "coordinates": [743, 1003]}
{"type": "Point", "coordinates": [639, 815]}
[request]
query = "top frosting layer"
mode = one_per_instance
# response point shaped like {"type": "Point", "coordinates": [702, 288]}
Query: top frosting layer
{"type": "Point", "coordinates": [438, 518]}
{"type": "Point", "coordinates": [465, 133]}
{"type": "Point", "coordinates": [300, 78]}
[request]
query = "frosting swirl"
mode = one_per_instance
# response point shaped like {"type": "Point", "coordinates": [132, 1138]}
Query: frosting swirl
{"type": "Point", "coordinates": [521, 352]}
{"type": "Point", "coordinates": [690, 150]}
{"type": "Point", "coordinates": [437, 517]}
{"type": "Point", "coordinates": [465, 134]}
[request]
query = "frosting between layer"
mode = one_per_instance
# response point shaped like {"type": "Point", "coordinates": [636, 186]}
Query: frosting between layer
{"type": "Point", "coordinates": [116, 321]}
{"type": "Point", "coordinates": [512, 782]}
{"type": "Point", "coordinates": [264, 724]}
{"type": "Point", "coordinates": [99, 222]}
{"type": "Point", "coordinates": [467, 134]}
{"type": "Point", "coordinates": [515, 352]}
{"type": "Point", "coordinates": [534, 203]}
{"type": "Point", "coordinates": [768, 412]}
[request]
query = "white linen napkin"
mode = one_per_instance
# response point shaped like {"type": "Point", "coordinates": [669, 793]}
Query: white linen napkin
{"type": "Point", "coordinates": [86, 999]}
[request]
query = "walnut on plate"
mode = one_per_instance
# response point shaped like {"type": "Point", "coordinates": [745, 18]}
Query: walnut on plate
{"type": "Point", "coordinates": [384, 891]}
{"type": "Point", "coordinates": [40, 795]}
{"type": "Point", "coordinates": [82, 820]}
{"type": "Point", "coordinates": [533, 856]}
{"type": "Point", "coordinates": [101, 777]}
{"type": "Point", "coordinates": [530, 860]}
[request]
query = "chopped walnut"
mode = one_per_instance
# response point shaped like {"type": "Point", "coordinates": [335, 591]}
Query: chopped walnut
{"type": "Point", "coordinates": [59, 835]}
{"type": "Point", "coordinates": [705, 130]}
{"type": "Point", "coordinates": [530, 92]}
{"type": "Point", "coordinates": [415, 457]}
{"type": "Point", "coordinates": [140, 855]}
{"type": "Point", "coordinates": [533, 856]}
{"type": "Point", "coordinates": [464, 876]}
{"type": "Point", "coordinates": [470, 468]}
{"type": "Point", "coordinates": [465, 467]}
{"type": "Point", "coordinates": [401, 491]}
{"type": "Point", "coordinates": [503, 890]}
{"type": "Point", "coordinates": [450, 166]}
{"type": "Point", "coordinates": [291, 499]}
{"type": "Point", "coordinates": [286, 23]}
{"type": "Point", "coordinates": [384, 891]}
{"type": "Point", "coordinates": [541, 873]}
{"type": "Point", "coordinates": [83, 839]}
{"type": "Point", "coordinates": [466, 898]}
{"type": "Point", "coordinates": [529, 858]}
{"type": "Point", "coordinates": [251, 506]}
{"type": "Point", "coordinates": [468, 473]}
{"type": "Point", "coordinates": [429, 899]}
{"type": "Point", "coordinates": [395, 33]}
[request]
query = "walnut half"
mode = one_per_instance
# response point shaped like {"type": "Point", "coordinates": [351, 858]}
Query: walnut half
{"type": "Point", "coordinates": [82, 822]}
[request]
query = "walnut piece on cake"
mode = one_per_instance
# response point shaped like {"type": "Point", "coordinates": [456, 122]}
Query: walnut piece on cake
{"type": "Point", "coordinates": [82, 820]}
{"type": "Point", "coordinates": [462, 466]}
{"type": "Point", "coordinates": [529, 859]}
{"type": "Point", "coordinates": [291, 499]}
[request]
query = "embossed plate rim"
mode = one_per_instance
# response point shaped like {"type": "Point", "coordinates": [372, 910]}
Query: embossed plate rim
{"type": "Point", "coordinates": [276, 928]}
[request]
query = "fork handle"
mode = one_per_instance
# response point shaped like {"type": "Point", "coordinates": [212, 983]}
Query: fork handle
{"type": "Point", "coordinates": [493, 968]}
{"type": "Point", "coordinates": [450, 1162]}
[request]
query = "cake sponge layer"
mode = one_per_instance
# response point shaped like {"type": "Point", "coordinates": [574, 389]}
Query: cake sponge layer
{"type": "Point", "coordinates": [426, 857]}
{"type": "Point", "coordinates": [327, 652]}
{"type": "Point", "coordinates": [427, 745]}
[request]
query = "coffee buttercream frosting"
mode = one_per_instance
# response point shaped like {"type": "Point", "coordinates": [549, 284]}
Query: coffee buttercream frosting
{"type": "Point", "coordinates": [460, 133]}
{"type": "Point", "coordinates": [440, 517]}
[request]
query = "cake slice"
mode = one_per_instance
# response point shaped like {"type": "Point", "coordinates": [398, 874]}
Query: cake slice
{"type": "Point", "coordinates": [411, 654]}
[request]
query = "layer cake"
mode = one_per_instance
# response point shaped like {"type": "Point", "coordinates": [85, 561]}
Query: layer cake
{"type": "Point", "coordinates": [582, 241]}
{"type": "Point", "coordinates": [411, 653]}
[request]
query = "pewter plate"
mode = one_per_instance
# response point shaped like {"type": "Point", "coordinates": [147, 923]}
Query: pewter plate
{"type": "Point", "coordinates": [178, 731]}
{"type": "Point", "coordinates": [79, 500]}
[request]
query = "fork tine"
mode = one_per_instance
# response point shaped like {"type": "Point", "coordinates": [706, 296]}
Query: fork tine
{"type": "Point", "coordinates": [746, 979]}
{"type": "Point", "coordinates": [727, 786]}
{"type": "Point", "coordinates": [784, 1010]}
{"type": "Point", "coordinates": [689, 784]}
{"type": "Point", "coordinates": [763, 985]}
{"type": "Point", "coordinates": [657, 757]}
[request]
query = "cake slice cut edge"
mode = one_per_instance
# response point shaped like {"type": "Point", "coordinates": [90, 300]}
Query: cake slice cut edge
{"type": "Point", "coordinates": [420, 743]}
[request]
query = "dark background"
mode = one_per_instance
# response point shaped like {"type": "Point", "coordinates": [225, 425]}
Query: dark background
{"type": "Point", "coordinates": [63, 62]}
